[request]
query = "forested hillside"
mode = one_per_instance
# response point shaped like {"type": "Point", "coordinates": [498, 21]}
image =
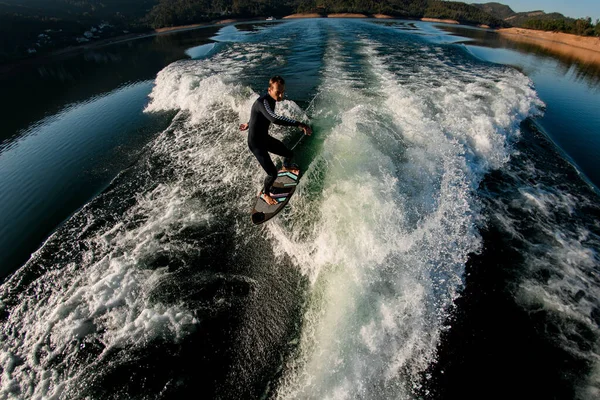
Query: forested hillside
{"type": "Point", "coordinates": [33, 27]}
{"type": "Point", "coordinates": [178, 12]}
{"type": "Point", "coordinates": [543, 21]}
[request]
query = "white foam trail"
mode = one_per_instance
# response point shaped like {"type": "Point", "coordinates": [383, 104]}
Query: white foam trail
{"type": "Point", "coordinates": [104, 299]}
{"type": "Point", "coordinates": [397, 217]}
{"type": "Point", "coordinates": [212, 105]}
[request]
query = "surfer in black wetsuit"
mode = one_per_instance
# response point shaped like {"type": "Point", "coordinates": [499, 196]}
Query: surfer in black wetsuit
{"type": "Point", "coordinates": [259, 141]}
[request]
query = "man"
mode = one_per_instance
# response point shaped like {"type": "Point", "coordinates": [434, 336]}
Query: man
{"type": "Point", "coordinates": [259, 141]}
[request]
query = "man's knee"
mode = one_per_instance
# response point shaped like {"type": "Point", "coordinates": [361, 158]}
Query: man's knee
{"type": "Point", "coordinates": [272, 172]}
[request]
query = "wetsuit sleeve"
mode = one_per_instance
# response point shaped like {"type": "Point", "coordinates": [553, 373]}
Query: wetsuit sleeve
{"type": "Point", "coordinates": [274, 118]}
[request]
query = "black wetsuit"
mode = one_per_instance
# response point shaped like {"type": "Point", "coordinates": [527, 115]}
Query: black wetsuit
{"type": "Point", "coordinates": [259, 141]}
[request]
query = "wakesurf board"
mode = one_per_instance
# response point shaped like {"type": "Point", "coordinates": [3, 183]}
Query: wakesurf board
{"type": "Point", "coordinates": [282, 190]}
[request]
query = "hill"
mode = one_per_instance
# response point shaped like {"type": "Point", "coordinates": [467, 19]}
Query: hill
{"type": "Point", "coordinates": [500, 11]}
{"type": "Point", "coordinates": [463, 13]}
{"type": "Point", "coordinates": [541, 20]}
{"type": "Point", "coordinates": [78, 9]}
{"type": "Point", "coordinates": [34, 27]}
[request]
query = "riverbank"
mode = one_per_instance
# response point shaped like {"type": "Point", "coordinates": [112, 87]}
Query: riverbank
{"type": "Point", "coordinates": [338, 15]}
{"type": "Point", "coordinates": [584, 42]}
{"type": "Point", "coordinates": [12, 67]}
{"type": "Point", "coordinates": [205, 24]}
{"type": "Point", "coordinates": [444, 21]}
{"type": "Point", "coordinates": [584, 48]}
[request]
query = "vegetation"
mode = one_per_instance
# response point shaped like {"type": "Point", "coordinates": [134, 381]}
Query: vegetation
{"type": "Point", "coordinates": [181, 12]}
{"type": "Point", "coordinates": [36, 27]}
{"type": "Point", "coordinates": [540, 20]}
{"type": "Point", "coordinates": [498, 10]}
{"type": "Point", "coordinates": [39, 26]}
{"type": "Point", "coordinates": [464, 13]}
{"type": "Point", "coordinates": [581, 26]}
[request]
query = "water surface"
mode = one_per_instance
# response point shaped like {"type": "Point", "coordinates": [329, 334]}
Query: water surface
{"type": "Point", "coordinates": [443, 233]}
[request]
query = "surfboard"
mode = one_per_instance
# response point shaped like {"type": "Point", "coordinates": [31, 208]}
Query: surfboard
{"type": "Point", "coordinates": [282, 190]}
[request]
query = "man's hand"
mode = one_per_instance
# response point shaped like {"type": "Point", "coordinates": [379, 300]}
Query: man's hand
{"type": "Point", "coordinates": [243, 127]}
{"type": "Point", "coordinates": [307, 130]}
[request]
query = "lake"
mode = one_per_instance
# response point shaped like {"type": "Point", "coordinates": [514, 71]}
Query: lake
{"type": "Point", "coordinates": [443, 237]}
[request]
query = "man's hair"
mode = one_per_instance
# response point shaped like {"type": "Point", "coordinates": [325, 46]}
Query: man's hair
{"type": "Point", "coordinates": [276, 79]}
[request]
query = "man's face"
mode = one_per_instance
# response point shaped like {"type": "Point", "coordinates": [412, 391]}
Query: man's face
{"type": "Point", "coordinates": [276, 91]}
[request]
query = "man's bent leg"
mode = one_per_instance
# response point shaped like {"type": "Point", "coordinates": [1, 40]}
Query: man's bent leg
{"type": "Point", "coordinates": [265, 161]}
{"type": "Point", "coordinates": [277, 147]}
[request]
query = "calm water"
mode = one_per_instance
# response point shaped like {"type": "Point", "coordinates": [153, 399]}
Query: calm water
{"type": "Point", "coordinates": [444, 233]}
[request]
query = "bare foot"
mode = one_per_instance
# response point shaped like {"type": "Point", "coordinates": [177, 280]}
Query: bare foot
{"type": "Point", "coordinates": [293, 170]}
{"type": "Point", "coordinates": [268, 199]}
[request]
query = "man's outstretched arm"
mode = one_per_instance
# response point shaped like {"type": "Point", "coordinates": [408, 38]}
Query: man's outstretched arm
{"type": "Point", "coordinates": [281, 120]}
{"type": "Point", "coordinates": [266, 110]}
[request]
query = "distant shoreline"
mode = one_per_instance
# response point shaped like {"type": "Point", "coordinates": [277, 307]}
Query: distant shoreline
{"type": "Point", "coordinates": [444, 21]}
{"type": "Point", "coordinates": [205, 24]}
{"type": "Point", "coordinates": [337, 15]}
{"type": "Point", "coordinates": [584, 42]}
{"type": "Point", "coordinates": [586, 48]}
{"type": "Point", "coordinates": [15, 65]}
{"type": "Point", "coordinates": [583, 48]}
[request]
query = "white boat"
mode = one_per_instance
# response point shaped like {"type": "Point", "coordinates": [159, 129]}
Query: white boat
{"type": "Point", "coordinates": [271, 19]}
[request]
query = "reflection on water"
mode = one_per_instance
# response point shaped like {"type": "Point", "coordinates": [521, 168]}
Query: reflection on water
{"type": "Point", "coordinates": [401, 25]}
{"type": "Point", "coordinates": [585, 62]}
{"type": "Point", "coordinates": [43, 87]}
{"type": "Point", "coordinates": [256, 26]}
{"type": "Point", "coordinates": [200, 51]}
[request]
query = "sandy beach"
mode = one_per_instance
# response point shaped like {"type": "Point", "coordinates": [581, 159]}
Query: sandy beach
{"type": "Point", "coordinates": [445, 21]}
{"type": "Point", "coordinates": [221, 22]}
{"type": "Point", "coordinates": [177, 28]}
{"type": "Point", "coordinates": [583, 48]}
{"type": "Point", "coordinates": [584, 42]}
{"type": "Point", "coordinates": [303, 16]}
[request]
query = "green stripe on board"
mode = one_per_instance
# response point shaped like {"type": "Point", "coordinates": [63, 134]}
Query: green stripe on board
{"type": "Point", "coordinates": [290, 184]}
{"type": "Point", "coordinates": [288, 174]}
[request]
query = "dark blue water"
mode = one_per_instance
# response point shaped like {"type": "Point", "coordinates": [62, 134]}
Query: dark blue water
{"type": "Point", "coordinates": [444, 231]}
{"type": "Point", "coordinates": [70, 125]}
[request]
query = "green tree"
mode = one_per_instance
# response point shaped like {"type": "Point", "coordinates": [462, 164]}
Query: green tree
{"type": "Point", "coordinates": [583, 26]}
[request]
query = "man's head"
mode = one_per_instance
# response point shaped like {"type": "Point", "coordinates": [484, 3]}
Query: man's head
{"type": "Point", "coordinates": [276, 88]}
